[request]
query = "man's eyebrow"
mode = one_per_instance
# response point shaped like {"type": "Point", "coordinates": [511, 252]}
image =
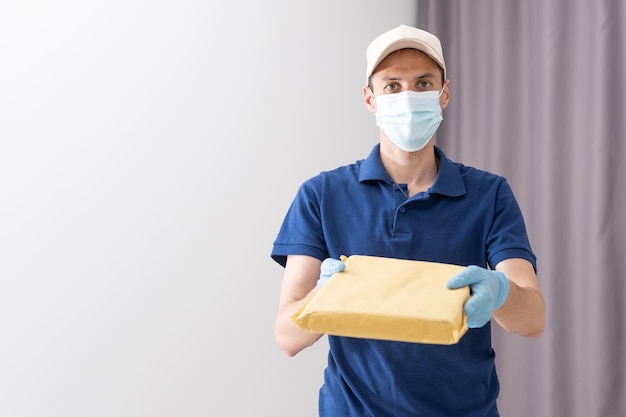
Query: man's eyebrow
{"type": "Point", "coordinates": [426, 75]}
{"type": "Point", "coordinates": [418, 77]}
{"type": "Point", "coordinates": [391, 78]}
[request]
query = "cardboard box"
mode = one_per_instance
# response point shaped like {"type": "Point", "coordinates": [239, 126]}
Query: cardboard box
{"type": "Point", "coordinates": [389, 299]}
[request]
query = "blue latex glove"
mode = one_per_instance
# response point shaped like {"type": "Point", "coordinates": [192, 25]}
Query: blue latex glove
{"type": "Point", "coordinates": [489, 290]}
{"type": "Point", "coordinates": [329, 267]}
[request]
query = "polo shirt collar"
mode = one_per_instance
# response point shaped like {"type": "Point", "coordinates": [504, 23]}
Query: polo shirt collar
{"type": "Point", "coordinates": [448, 182]}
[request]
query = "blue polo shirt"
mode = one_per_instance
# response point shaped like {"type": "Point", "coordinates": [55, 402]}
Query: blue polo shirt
{"type": "Point", "coordinates": [467, 217]}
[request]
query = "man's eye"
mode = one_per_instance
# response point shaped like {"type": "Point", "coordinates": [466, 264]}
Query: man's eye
{"type": "Point", "coordinates": [391, 87]}
{"type": "Point", "coordinates": [424, 84]}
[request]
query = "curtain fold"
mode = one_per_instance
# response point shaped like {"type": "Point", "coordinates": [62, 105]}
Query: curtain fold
{"type": "Point", "coordinates": [537, 95]}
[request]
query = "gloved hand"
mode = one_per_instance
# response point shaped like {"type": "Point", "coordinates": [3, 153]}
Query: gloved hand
{"type": "Point", "coordinates": [489, 290]}
{"type": "Point", "coordinates": [329, 267]}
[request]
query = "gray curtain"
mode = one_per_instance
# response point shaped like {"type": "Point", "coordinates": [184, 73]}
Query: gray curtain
{"type": "Point", "coordinates": [538, 91]}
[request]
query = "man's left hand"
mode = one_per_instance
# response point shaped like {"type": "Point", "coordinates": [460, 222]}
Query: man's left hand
{"type": "Point", "coordinates": [489, 291]}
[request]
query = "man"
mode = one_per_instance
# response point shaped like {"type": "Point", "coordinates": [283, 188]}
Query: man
{"type": "Point", "coordinates": [407, 200]}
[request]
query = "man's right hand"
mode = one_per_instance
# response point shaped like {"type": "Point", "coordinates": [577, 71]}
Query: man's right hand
{"type": "Point", "coordinates": [329, 267]}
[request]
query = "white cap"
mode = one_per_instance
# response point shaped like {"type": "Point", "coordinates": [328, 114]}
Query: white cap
{"type": "Point", "coordinates": [400, 38]}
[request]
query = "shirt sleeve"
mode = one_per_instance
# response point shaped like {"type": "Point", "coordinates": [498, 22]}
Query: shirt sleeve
{"type": "Point", "coordinates": [508, 237]}
{"type": "Point", "coordinates": [301, 230]}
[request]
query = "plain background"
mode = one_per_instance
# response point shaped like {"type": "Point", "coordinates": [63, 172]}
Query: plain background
{"type": "Point", "coordinates": [148, 153]}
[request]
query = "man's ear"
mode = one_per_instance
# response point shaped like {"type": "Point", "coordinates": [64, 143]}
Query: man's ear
{"type": "Point", "coordinates": [369, 99]}
{"type": "Point", "coordinates": [444, 99]}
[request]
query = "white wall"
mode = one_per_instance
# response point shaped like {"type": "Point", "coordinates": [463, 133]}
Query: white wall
{"type": "Point", "coordinates": [148, 152]}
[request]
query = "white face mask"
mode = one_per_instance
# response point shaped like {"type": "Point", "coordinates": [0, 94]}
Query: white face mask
{"type": "Point", "coordinates": [410, 118]}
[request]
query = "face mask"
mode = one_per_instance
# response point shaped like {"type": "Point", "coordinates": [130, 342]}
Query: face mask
{"type": "Point", "coordinates": [409, 118]}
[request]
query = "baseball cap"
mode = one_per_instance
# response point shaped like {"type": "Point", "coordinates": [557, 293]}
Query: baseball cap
{"type": "Point", "coordinates": [403, 37]}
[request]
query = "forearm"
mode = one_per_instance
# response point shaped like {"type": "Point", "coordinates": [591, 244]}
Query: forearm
{"type": "Point", "coordinates": [523, 313]}
{"type": "Point", "coordinates": [290, 337]}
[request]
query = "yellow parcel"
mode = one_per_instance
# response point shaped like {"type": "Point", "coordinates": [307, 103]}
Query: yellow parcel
{"type": "Point", "coordinates": [389, 299]}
